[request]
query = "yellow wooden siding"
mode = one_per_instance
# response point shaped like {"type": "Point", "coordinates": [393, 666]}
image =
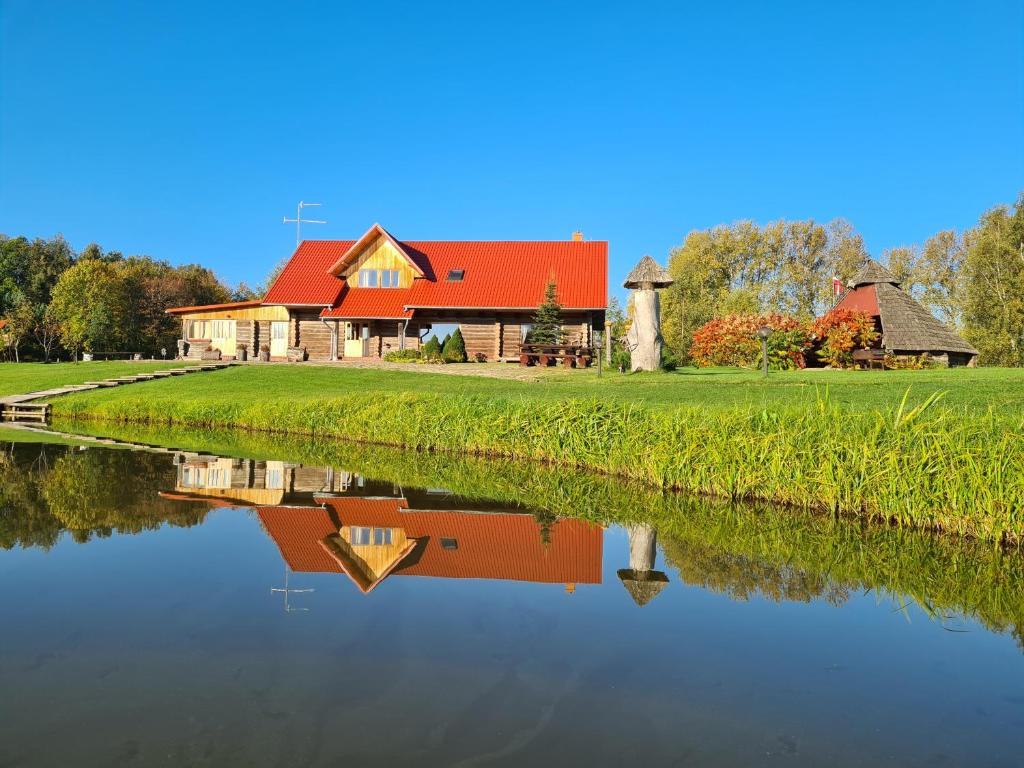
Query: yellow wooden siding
{"type": "Point", "coordinates": [380, 254]}
{"type": "Point", "coordinates": [255, 313]}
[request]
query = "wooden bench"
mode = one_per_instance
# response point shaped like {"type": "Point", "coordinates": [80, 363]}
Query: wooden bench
{"type": "Point", "coordinates": [869, 358]}
{"type": "Point", "coordinates": [570, 355]}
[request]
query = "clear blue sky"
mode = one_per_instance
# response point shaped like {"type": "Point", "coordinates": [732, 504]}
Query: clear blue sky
{"type": "Point", "coordinates": [186, 130]}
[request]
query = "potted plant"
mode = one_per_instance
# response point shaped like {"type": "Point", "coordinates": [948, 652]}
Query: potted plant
{"type": "Point", "coordinates": [264, 353]}
{"type": "Point", "coordinates": [242, 352]}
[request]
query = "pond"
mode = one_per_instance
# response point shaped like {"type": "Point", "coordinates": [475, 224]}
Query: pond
{"type": "Point", "coordinates": [246, 601]}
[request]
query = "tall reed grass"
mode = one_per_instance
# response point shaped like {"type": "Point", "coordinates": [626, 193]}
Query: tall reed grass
{"type": "Point", "coordinates": [920, 464]}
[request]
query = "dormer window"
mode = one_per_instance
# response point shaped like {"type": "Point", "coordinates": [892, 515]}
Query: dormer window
{"type": "Point", "coordinates": [378, 278]}
{"type": "Point", "coordinates": [456, 275]}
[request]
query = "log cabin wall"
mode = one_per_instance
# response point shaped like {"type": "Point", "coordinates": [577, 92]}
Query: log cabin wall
{"type": "Point", "coordinates": [481, 336]}
{"type": "Point", "coordinates": [313, 334]}
{"type": "Point", "coordinates": [385, 336]}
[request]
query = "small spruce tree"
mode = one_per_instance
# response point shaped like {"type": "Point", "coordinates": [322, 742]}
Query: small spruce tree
{"type": "Point", "coordinates": [547, 321]}
{"type": "Point", "coordinates": [454, 350]}
{"type": "Point", "coordinates": [432, 349]}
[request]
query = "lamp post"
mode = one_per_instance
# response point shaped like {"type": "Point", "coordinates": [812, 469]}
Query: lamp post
{"type": "Point", "coordinates": [764, 332]}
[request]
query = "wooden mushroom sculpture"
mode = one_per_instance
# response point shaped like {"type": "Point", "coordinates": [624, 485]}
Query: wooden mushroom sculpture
{"type": "Point", "coordinates": [644, 337]}
{"type": "Point", "coordinates": [641, 580]}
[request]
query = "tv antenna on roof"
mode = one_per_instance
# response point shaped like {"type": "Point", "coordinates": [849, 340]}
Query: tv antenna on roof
{"type": "Point", "coordinates": [288, 607]}
{"type": "Point", "coordinates": [298, 221]}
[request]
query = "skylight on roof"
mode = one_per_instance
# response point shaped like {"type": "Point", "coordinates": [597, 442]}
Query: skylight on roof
{"type": "Point", "coordinates": [456, 275]}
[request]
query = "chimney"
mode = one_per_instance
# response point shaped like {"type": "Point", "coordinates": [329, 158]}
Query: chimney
{"type": "Point", "coordinates": [577, 236]}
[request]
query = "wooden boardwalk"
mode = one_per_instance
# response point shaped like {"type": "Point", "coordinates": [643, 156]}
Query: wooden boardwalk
{"type": "Point", "coordinates": [28, 408]}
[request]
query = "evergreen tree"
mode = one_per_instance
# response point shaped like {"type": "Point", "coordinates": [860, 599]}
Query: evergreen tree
{"type": "Point", "coordinates": [454, 350]}
{"type": "Point", "coordinates": [547, 321]}
{"type": "Point", "coordinates": [432, 349]}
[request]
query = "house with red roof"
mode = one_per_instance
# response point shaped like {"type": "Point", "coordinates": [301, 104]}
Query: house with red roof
{"type": "Point", "coordinates": [344, 299]}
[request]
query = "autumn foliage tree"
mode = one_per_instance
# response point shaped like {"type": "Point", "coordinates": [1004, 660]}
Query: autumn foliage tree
{"type": "Point", "coordinates": [839, 332]}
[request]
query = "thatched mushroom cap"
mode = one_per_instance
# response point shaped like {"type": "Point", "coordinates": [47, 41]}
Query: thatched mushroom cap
{"type": "Point", "coordinates": [648, 271]}
{"type": "Point", "coordinates": [643, 586]}
{"type": "Point", "coordinates": [873, 273]}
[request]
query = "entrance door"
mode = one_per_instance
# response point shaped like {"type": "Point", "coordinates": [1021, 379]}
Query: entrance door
{"type": "Point", "coordinates": [279, 339]}
{"type": "Point", "coordinates": [357, 340]}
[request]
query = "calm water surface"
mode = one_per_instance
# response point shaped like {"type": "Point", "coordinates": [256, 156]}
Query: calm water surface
{"type": "Point", "coordinates": [183, 609]}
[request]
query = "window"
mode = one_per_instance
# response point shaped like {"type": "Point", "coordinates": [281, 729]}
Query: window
{"type": "Point", "coordinates": [360, 536]}
{"type": "Point", "coordinates": [456, 275]}
{"type": "Point", "coordinates": [279, 331]}
{"type": "Point", "coordinates": [200, 329]}
{"type": "Point", "coordinates": [379, 278]}
{"type": "Point", "coordinates": [381, 535]}
{"type": "Point", "coordinates": [449, 544]}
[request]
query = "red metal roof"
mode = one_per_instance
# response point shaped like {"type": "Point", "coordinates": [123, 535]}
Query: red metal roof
{"type": "Point", "coordinates": [306, 280]}
{"type": "Point", "coordinates": [497, 275]}
{"type": "Point", "coordinates": [370, 303]}
{"type": "Point", "coordinates": [209, 307]}
{"type": "Point", "coordinates": [862, 299]}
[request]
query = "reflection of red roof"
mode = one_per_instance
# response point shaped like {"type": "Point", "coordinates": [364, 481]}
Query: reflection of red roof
{"type": "Point", "coordinates": [504, 546]}
{"type": "Point", "coordinates": [497, 275]}
{"type": "Point", "coordinates": [489, 546]}
{"type": "Point", "coordinates": [298, 531]}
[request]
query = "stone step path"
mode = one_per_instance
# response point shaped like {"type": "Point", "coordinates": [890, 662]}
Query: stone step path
{"type": "Point", "coordinates": [26, 407]}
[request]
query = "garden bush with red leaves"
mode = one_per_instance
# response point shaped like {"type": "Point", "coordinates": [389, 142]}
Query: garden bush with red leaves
{"type": "Point", "coordinates": [733, 340]}
{"type": "Point", "coordinates": [839, 332]}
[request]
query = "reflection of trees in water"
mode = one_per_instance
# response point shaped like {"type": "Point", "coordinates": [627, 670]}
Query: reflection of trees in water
{"type": "Point", "coordinates": [742, 577]}
{"type": "Point", "coordinates": [48, 489]}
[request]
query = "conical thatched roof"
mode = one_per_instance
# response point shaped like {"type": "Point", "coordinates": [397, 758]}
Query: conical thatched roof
{"type": "Point", "coordinates": [643, 586]}
{"type": "Point", "coordinates": [909, 327]}
{"type": "Point", "coordinates": [872, 273]}
{"type": "Point", "coordinates": [647, 271]}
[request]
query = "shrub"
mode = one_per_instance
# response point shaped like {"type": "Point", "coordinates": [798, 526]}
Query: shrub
{"type": "Point", "coordinates": [454, 349]}
{"type": "Point", "coordinates": [839, 332]}
{"type": "Point", "coordinates": [480, 357]}
{"type": "Point", "coordinates": [402, 356]}
{"type": "Point", "coordinates": [547, 321]}
{"type": "Point", "coordinates": [733, 340]}
{"type": "Point", "coordinates": [909, 362]}
{"type": "Point", "coordinates": [431, 350]}
{"type": "Point", "coordinates": [669, 361]}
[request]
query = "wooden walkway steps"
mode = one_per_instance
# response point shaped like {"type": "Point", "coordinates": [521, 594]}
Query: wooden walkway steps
{"type": "Point", "coordinates": [24, 408]}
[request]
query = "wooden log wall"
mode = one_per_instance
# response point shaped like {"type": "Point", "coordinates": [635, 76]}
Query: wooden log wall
{"type": "Point", "coordinates": [481, 336]}
{"type": "Point", "coordinates": [313, 334]}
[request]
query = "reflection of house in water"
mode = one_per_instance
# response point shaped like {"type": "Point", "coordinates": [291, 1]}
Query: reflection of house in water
{"type": "Point", "coordinates": [249, 482]}
{"type": "Point", "coordinates": [369, 539]}
{"type": "Point", "coordinates": [328, 521]}
{"type": "Point", "coordinates": [641, 580]}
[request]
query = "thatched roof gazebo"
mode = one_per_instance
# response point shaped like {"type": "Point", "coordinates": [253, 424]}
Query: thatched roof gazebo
{"type": "Point", "coordinates": [907, 327]}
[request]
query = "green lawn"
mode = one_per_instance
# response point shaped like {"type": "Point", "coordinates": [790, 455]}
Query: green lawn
{"type": "Point", "coordinates": [974, 389]}
{"type": "Point", "coordinates": [21, 378]}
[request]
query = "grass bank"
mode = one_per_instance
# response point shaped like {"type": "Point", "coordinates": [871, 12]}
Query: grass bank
{"type": "Point", "coordinates": [944, 463]}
